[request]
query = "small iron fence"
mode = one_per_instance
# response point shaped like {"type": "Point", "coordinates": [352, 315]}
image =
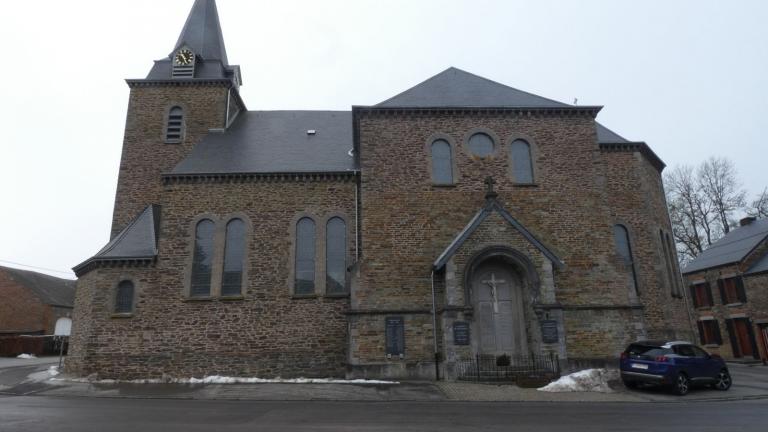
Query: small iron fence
{"type": "Point", "coordinates": [508, 368]}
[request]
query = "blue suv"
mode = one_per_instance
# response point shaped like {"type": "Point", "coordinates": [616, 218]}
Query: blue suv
{"type": "Point", "coordinates": [678, 365]}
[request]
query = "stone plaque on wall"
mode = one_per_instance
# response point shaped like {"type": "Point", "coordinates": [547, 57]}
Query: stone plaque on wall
{"type": "Point", "coordinates": [395, 336]}
{"type": "Point", "coordinates": [461, 333]}
{"type": "Point", "coordinates": [549, 331]}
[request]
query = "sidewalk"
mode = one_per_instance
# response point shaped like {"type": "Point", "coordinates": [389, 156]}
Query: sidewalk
{"type": "Point", "coordinates": [750, 382]}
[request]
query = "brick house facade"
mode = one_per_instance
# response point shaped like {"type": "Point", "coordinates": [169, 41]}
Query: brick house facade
{"type": "Point", "coordinates": [728, 285]}
{"type": "Point", "coordinates": [31, 303]}
{"type": "Point", "coordinates": [354, 243]}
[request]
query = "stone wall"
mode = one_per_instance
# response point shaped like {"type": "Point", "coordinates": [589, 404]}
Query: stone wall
{"type": "Point", "coordinates": [578, 194]}
{"type": "Point", "coordinates": [145, 154]}
{"type": "Point", "coordinates": [267, 332]}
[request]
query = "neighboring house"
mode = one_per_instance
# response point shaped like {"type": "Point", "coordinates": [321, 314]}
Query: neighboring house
{"type": "Point", "coordinates": [728, 283]}
{"type": "Point", "coordinates": [459, 218]}
{"type": "Point", "coordinates": [31, 303]}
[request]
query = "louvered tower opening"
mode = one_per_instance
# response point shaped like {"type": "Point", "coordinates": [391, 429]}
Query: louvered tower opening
{"type": "Point", "coordinates": [181, 71]}
{"type": "Point", "coordinates": [174, 129]}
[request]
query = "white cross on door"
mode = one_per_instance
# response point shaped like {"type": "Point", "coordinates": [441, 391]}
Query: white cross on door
{"type": "Point", "coordinates": [492, 283]}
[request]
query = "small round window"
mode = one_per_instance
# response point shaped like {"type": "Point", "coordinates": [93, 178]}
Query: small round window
{"type": "Point", "coordinates": [481, 144]}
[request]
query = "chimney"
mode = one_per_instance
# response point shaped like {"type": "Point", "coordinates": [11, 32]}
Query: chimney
{"type": "Point", "coordinates": [746, 221]}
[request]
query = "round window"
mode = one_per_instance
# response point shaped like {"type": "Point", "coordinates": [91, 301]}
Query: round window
{"type": "Point", "coordinates": [481, 144]}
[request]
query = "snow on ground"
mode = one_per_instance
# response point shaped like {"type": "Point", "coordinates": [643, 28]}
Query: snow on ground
{"type": "Point", "coordinates": [45, 375]}
{"type": "Point", "coordinates": [217, 379]}
{"type": "Point", "coordinates": [26, 356]}
{"type": "Point", "coordinates": [589, 380]}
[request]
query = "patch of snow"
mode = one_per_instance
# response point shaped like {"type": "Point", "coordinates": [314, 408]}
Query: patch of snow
{"type": "Point", "coordinates": [218, 379]}
{"type": "Point", "coordinates": [45, 375]}
{"type": "Point", "coordinates": [589, 380]}
{"type": "Point", "coordinates": [26, 356]}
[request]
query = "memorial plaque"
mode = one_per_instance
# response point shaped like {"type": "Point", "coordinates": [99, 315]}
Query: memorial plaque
{"type": "Point", "coordinates": [549, 331]}
{"type": "Point", "coordinates": [395, 335]}
{"type": "Point", "coordinates": [461, 333]}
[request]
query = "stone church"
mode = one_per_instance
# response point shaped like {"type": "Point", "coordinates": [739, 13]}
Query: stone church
{"type": "Point", "coordinates": [459, 218]}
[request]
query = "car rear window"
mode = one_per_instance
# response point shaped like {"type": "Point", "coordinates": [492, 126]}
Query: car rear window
{"type": "Point", "coordinates": [646, 351]}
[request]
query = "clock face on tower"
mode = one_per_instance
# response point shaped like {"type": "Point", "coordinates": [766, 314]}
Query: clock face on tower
{"type": "Point", "coordinates": [184, 57]}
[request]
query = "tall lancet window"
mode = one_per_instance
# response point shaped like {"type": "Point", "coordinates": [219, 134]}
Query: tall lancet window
{"type": "Point", "coordinates": [174, 126]}
{"type": "Point", "coordinates": [305, 257]}
{"type": "Point", "coordinates": [234, 252]}
{"type": "Point", "coordinates": [202, 259]}
{"type": "Point", "coordinates": [624, 249]}
{"type": "Point", "coordinates": [442, 162]}
{"type": "Point", "coordinates": [336, 256]}
{"type": "Point", "coordinates": [522, 166]}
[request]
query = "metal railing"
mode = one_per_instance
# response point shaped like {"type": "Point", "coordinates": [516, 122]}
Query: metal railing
{"type": "Point", "coordinates": [508, 368]}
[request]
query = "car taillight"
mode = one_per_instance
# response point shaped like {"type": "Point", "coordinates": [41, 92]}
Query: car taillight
{"type": "Point", "coordinates": [661, 359]}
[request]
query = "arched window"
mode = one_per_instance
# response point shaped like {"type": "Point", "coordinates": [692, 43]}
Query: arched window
{"type": "Point", "coordinates": [675, 268]}
{"type": "Point", "coordinates": [336, 256]}
{"type": "Point", "coordinates": [234, 252]}
{"type": "Point", "coordinates": [124, 297]}
{"type": "Point", "coordinates": [174, 127]}
{"type": "Point", "coordinates": [305, 256]}
{"type": "Point", "coordinates": [480, 144]}
{"type": "Point", "coordinates": [668, 264]}
{"type": "Point", "coordinates": [624, 249]}
{"type": "Point", "coordinates": [522, 166]}
{"type": "Point", "coordinates": [442, 162]}
{"type": "Point", "coordinates": [202, 259]}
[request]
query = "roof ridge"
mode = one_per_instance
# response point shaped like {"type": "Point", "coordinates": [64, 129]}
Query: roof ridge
{"type": "Point", "coordinates": [418, 84]}
{"type": "Point", "coordinates": [508, 86]}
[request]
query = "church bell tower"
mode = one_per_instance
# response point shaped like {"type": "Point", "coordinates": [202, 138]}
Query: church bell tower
{"type": "Point", "coordinates": [186, 94]}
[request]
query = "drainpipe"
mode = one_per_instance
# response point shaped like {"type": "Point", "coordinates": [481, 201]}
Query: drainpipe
{"type": "Point", "coordinates": [434, 328]}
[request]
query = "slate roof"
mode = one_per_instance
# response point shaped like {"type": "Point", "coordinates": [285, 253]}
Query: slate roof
{"type": "Point", "coordinates": [276, 142]}
{"type": "Point", "coordinates": [761, 266]}
{"type": "Point", "coordinates": [732, 248]}
{"type": "Point", "coordinates": [491, 206]}
{"type": "Point", "coordinates": [49, 289]}
{"type": "Point", "coordinates": [607, 136]}
{"type": "Point", "coordinates": [137, 241]}
{"type": "Point", "coordinates": [202, 34]}
{"type": "Point", "coordinates": [457, 88]}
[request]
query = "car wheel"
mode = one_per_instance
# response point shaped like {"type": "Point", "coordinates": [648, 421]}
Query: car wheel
{"type": "Point", "coordinates": [723, 382]}
{"type": "Point", "coordinates": [630, 384]}
{"type": "Point", "coordinates": [682, 384]}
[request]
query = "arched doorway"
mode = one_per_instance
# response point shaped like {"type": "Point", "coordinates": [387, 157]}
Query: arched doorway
{"type": "Point", "coordinates": [499, 308]}
{"type": "Point", "coordinates": [502, 287]}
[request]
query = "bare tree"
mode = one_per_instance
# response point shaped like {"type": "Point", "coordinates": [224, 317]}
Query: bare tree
{"type": "Point", "coordinates": [689, 210]}
{"type": "Point", "coordinates": [719, 182]}
{"type": "Point", "coordinates": [759, 207]}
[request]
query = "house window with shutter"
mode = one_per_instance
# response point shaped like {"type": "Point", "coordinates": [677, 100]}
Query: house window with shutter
{"type": "Point", "coordinates": [174, 126]}
{"type": "Point", "coordinates": [701, 294]}
{"type": "Point", "coordinates": [732, 290]}
{"type": "Point", "coordinates": [709, 332]}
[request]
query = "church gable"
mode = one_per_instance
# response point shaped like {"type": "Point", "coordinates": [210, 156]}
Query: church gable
{"type": "Point", "coordinates": [456, 88]}
{"type": "Point", "coordinates": [494, 214]}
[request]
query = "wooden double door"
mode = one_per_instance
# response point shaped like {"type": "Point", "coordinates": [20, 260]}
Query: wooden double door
{"type": "Point", "coordinates": [742, 337]}
{"type": "Point", "coordinates": [497, 294]}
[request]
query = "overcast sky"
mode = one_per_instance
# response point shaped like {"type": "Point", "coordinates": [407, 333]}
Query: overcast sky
{"type": "Point", "coordinates": [687, 77]}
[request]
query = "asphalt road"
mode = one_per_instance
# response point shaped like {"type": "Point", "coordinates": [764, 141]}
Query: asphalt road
{"type": "Point", "coordinates": [38, 413]}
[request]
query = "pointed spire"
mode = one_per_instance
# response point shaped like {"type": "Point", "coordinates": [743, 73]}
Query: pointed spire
{"type": "Point", "coordinates": [202, 32]}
